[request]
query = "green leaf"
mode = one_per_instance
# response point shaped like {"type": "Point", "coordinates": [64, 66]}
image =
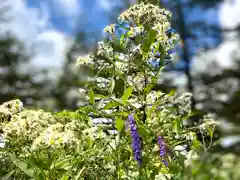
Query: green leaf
{"type": "Point", "coordinates": [143, 131]}
{"type": "Point", "coordinates": [127, 94]}
{"type": "Point", "coordinates": [148, 88]}
{"type": "Point", "coordinates": [172, 92]}
{"type": "Point", "coordinates": [152, 36]}
{"type": "Point", "coordinates": [195, 144]}
{"type": "Point", "coordinates": [145, 46]}
{"type": "Point", "coordinates": [79, 173]}
{"type": "Point", "coordinates": [177, 126]}
{"type": "Point", "coordinates": [91, 97]}
{"type": "Point", "coordinates": [112, 86]}
{"type": "Point", "coordinates": [210, 131]}
{"type": "Point", "coordinates": [119, 86]}
{"type": "Point", "coordinates": [119, 123]}
{"type": "Point", "coordinates": [111, 104]}
{"type": "Point", "coordinates": [125, 114]}
{"type": "Point", "coordinates": [8, 175]}
{"type": "Point", "coordinates": [122, 40]}
{"type": "Point", "coordinates": [27, 168]}
{"type": "Point", "coordinates": [63, 163]}
{"type": "Point", "coordinates": [65, 177]}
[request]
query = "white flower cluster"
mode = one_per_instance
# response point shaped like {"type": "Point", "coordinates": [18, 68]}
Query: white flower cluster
{"type": "Point", "coordinates": [104, 49]}
{"type": "Point", "coordinates": [145, 14]}
{"type": "Point", "coordinates": [10, 108]}
{"type": "Point", "coordinates": [135, 31]}
{"type": "Point", "coordinates": [36, 128]}
{"type": "Point", "coordinates": [184, 103]}
{"type": "Point", "coordinates": [13, 106]}
{"type": "Point", "coordinates": [87, 60]}
{"type": "Point", "coordinates": [55, 136]}
{"type": "Point", "coordinates": [102, 82]}
{"type": "Point", "coordinates": [27, 124]}
{"type": "Point", "coordinates": [138, 81]}
{"type": "Point", "coordinates": [153, 96]}
{"type": "Point", "coordinates": [121, 66]}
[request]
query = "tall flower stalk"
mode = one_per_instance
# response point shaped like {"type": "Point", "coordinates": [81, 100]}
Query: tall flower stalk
{"type": "Point", "coordinates": [136, 140]}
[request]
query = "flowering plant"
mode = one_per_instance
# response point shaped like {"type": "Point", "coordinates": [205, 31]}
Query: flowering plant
{"type": "Point", "coordinates": [125, 70]}
{"type": "Point", "coordinates": [128, 129]}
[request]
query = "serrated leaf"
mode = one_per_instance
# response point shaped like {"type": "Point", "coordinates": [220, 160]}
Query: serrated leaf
{"type": "Point", "coordinates": [127, 94]}
{"type": "Point", "coordinates": [119, 123]}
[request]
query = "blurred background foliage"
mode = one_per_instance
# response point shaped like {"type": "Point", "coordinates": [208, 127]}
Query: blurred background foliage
{"type": "Point", "coordinates": [195, 67]}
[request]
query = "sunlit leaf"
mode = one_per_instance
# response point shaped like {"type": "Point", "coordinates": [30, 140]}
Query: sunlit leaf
{"type": "Point", "coordinates": [91, 97]}
{"type": "Point", "coordinates": [119, 123]}
{"type": "Point", "coordinates": [111, 104]}
{"type": "Point", "coordinates": [127, 94]}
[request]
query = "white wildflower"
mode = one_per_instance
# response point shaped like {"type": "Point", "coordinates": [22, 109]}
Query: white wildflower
{"type": "Point", "coordinates": [110, 29]}
{"type": "Point", "coordinates": [135, 31]}
{"type": "Point", "coordinates": [14, 106]}
{"type": "Point", "coordinates": [102, 82]}
{"type": "Point", "coordinates": [121, 66]}
{"type": "Point", "coordinates": [86, 60]}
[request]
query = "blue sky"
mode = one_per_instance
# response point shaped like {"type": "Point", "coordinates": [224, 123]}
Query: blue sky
{"type": "Point", "coordinates": [53, 23]}
{"type": "Point", "coordinates": [47, 26]}
{"type": "Point", "coordinates": [66, 14]}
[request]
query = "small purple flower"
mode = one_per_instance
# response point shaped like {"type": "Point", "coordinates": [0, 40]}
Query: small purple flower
{"type": "Point", "coordinates": [136, 140]}
{"type": "Point", "coordinates": [170, 51]}
{"type": "Point", "coordinates": [158, 54]}
{"type": "Point", "coordinates": [162, 147]}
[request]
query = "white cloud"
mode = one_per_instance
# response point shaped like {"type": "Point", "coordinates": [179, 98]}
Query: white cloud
{"type": "Point", "coordinates": [25, 22]}
{"type": "Point", "coordinates": [68, 7]}
{"type": "Point", "coordinates": [229, 13]}
{"type": "Point", "coordinates": [50, 47]}
{"type": "Point", "coordinates": [108, 5]}
{"type": "Point", "coordinates": [33, 27]}
{"type": "Point", "coordinates": [105, 5]}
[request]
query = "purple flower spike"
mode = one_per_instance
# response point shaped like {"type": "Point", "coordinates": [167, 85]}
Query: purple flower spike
{"type": "Point", "coordinates": [162, 147]}
{"type": "Point", "coordinates": [136, 140]}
